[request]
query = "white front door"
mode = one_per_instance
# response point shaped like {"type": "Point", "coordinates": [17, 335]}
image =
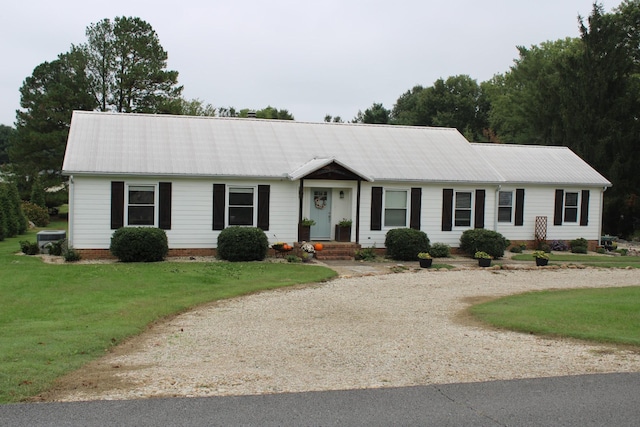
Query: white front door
{"type": "Point", "coordinates": [320, 212]}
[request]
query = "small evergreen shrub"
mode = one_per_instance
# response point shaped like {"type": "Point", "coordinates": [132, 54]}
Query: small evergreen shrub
{"type": "Point", "coordinates": [55, 248]}
{"type": "Point", "coordinates": [365, 254]}
{"type": "Point", "coordinates": [579, 246]}
{"type": "Point", "coordinates": [440, 250]}
{"type": "Point", "coordinates": [405, 244]}
{"type": "Point", "coordinates": [139, 244]}
{"type": "Point", "coordinates": [516, 249]}
{"type": "Point", "coordinates": [70, 255]}
{"type": "Point", "coordinates": [36, 214]}
{"type": "Point", "coordinates": [479, 239]}
{"type": "Point", "coordinates": [242, 244]}
{"type": "Point", "coordinates": [29, 248]}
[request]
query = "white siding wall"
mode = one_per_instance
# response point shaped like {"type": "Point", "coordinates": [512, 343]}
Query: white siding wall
{"type": "Point", "coordinates": [192, 211]}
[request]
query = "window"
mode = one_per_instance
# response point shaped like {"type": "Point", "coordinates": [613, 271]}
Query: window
{"type": "Point", "coordinates": [395, 208]}
{"type": "Point", "coordinates": [570, 207]}
{"type": "Point", "coordinates": [505, 205]}
{"type": "Point", "coordinates": [241, 206]}
{"type": "Point", "coordinates": [463, 209]}
{"type": "Point", "coordinates": [141, 205]}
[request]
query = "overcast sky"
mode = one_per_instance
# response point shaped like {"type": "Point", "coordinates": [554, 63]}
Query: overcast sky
{"type": "Point", "coordinates": [311, 58]}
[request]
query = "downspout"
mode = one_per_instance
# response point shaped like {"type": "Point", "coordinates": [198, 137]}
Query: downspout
{"type": "Point", "coordinates": [495, 208]}
{"type": "Point", "coordinates": [71, 211]}
{"type": "Point", "coordinates": [601, 217]}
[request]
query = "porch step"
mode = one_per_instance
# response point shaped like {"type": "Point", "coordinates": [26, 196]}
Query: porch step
{"type": "Point", "coordinates": [333, 251]}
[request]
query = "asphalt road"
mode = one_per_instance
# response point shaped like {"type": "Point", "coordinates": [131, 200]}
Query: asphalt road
{"type": "Point", "coordinates": [585, 400]}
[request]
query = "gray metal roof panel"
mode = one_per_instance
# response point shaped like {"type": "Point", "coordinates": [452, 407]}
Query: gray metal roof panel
{"type": "Point", "coordinates": [539, 164]}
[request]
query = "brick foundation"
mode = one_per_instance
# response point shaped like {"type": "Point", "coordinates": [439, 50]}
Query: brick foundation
{"type": "Point", "coordinates": [106, 254]}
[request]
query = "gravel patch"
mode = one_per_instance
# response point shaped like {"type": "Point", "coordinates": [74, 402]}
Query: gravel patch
{"type": "Point", "coordinates": [361, 332]}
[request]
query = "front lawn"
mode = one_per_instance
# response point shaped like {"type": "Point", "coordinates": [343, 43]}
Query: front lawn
{"type": "Point", "coordinates": [610, 315]}
{"type": "Point", "coordinates": [55, 318]}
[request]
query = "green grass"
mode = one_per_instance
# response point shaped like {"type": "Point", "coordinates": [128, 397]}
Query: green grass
{"type": "Point", "coordinates": [605, 261]}
{"type": "Point", "coordinates": [609, 315]}
{"type": "Point", "coordinates": [56, 318]}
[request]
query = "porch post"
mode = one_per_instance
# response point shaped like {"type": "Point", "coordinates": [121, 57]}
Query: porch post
{"type": "Point", "coordinates": [358, 213]}
{"type": "Point", "coordinates": [300, 197]}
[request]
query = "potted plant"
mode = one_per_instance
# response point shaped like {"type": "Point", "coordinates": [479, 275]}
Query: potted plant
{"type": "Point", "coordinates": [343, 230]}
{"type": "Point", "coordinates": [304, 229]}
{"type": "Point", "coordinates": [425, 259]}
{"type": "Point", "coordinates": [484, 259]}
{"type": "Point", "coordinates": [542, 258]}
{"type": "Point", "coordinates": [307, 251]}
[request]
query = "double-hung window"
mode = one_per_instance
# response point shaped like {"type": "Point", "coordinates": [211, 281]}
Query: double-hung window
{"type": "Point", "coordinates": [570, 207]}
{"type": "Point", "coordinates": [463, 209]}
{"type": "Point", "coordinates": [505, 206]}
{"type": "Point", "coordinates": [241, 206]}
{"type": "Point", "coordinates": [395, 208]}
{"type": "Point", "coordinates": [141, 205]}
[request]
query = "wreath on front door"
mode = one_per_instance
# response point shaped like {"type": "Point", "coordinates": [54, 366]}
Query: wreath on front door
{"type": "Point", "coordinates": [320, 202]}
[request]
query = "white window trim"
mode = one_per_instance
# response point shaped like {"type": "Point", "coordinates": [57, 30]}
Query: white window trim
{"type": "Point", "coordinates": [128, 185]}
{"type": "Point", "coordinates": [512, 206]}
{"type": "Point", "coordinates": [471, 217]}
{"type": "Point", "coordinates": [254, 220]}
{"type": "Point", "coordinates": [406, 208]}
{"type": "Point", "coordinates": [577, 207]}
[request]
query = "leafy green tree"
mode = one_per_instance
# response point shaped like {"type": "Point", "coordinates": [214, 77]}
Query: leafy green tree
{"type": "Point", "coordinates": [330, 119]}
{"type": "Point", "coordinates": [408, 110]}
{"type": "Point", "coordinates": [48, 97]}
{"type": "Point", "coordinates": [127, 66]}
{"type": "Point", "coordinates": [266, 113]}
{"type": "Point", "coordinates": [376, 114]}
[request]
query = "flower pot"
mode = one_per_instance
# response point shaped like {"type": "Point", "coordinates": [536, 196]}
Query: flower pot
{"type": "Point", "coordinates": [304, 233]}
{"type": "Point", "coordinates": [541, 262]}
{"type": "Point", "coordinates": [484, 262]}
{"type": "Point", "coordinates": [343, 233]}
{"type": "Point", "coordinates": [426, 262]}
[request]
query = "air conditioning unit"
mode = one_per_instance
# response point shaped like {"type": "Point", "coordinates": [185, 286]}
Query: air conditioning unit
{"type": "Point", "coordinates": [43, 238]}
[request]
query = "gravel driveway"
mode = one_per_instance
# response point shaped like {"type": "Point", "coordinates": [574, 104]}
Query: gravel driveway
{"type": "Point", "coordinates": [362, 332]}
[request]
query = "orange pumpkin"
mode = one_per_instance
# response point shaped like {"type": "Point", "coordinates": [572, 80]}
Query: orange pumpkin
{"type": "Point", "coordinates": [318, 246]}
{"type": "Point", "coordinates": [287, 247]}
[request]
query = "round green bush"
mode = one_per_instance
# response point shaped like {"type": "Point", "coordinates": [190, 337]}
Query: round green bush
{"type": "Point", "coordinates": [36, 214]}
{"type": "Point", "coordinates": [479, 239]}
{"type": "Point", "coordinates": [405, 244]}
{"type": "Point", "coordinates": [579, 246]}
{"type": "Point", "coordinates": [440, 250]}
{"type": "Point", "coordinates": [242, 244]}
{"type": "Point", "coordinates": [139, 244]}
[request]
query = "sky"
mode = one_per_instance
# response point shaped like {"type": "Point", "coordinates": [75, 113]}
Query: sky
{"type": "Point", "coordinates": [311, 58]}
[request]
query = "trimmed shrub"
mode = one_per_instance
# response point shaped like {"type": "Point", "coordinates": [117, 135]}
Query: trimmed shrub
{"type": "Point", "coordinates": [29, 248]}
{"type": "Point", "coordinates": [70, 255]}
{"type": "Point", "coordinates": [36, 214]}
{"type": "Point", "coordinates": [516, 249]}
{"type": "Point", "coordinates": [139, 244]}
{"type": "Point", "coordinates": [440, 250]}
{"type": "Point", "coordinates": [482, 240]}
{"type": "Point", "coordinates": [55, 248]}
{"type": "Point", "coordinates": [242, 244]}
{"type": "Point", "coordinates": [579, 246]}
{"type": "Point", "coordinates": [405, 244]}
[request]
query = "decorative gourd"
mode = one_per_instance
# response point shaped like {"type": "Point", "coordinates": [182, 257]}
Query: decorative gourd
{"type": "Point", "coordinates": [318, 246]}
{"type": "Point", "coordinates": [286, 247]}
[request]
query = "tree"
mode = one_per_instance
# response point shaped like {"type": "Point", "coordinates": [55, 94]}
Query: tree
{"type": "Point", "coordinates": [48, 97]}
{"type": "Point", "coordinates": [127, 65]}
{"type": "Point", "coordinates": [376, 114]}
{"type": "Point", "coordinates": [6, 134]}
{"type": "Point", "coordinates": [330, 119]}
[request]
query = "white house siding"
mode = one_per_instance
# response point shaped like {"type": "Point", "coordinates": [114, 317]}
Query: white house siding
{"type": "Point", "coordinates": [89, 213]}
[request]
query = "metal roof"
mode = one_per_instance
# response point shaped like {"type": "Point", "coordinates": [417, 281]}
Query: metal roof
{"type": "Point", "coordinates": [539, 164]}
{"type": "Point", "coordinates": [164, 145]}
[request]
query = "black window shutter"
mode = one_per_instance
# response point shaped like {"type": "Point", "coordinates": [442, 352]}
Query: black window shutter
{"type": "Point", "coordinates": [164, 210]}
{"type": "Point", "coordinates": [263, 206]}
{"type": "Point", "coordinates": [584, 208]}
{"type": "Point", "coordinates": [376, 208]}
{"type": "Point", "coordinates": [447, 209]}
{"type": "Point", "coordinates": [117, 204]}
{"type": "Point", "coordinates": [519, 214]}
{"type": "Point", "coordinates": [218, 206]}
{"type": "Point", "coordinates": [479, 213]}
{"type": "Point", "coordinates": [416, 206]}
{"type": "Point", "coordinates": [557, 210]}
